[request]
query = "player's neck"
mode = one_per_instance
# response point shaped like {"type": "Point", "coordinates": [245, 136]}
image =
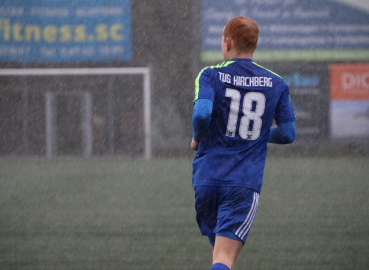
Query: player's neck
{"type": "Point", "coordinates": [233, 54]}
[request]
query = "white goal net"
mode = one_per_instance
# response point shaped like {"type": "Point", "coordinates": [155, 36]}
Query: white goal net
{"type": "Point", "coordinates": [93, 110]}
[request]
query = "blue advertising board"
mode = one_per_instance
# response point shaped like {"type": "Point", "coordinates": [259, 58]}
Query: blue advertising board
{"type": "Point", "coordinates": [316, 30]}
{"type": "Point", "coordinates": [65, 31]}
{"type": "Point", "coordinates": [308, 84]}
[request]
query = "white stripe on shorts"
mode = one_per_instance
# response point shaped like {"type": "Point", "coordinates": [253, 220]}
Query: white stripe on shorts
{"type": "Point", "coordinates": [246, 225]}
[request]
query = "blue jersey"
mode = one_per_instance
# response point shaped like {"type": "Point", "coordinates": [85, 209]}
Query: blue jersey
{"type": "Point", "coordinates": [246, 98]}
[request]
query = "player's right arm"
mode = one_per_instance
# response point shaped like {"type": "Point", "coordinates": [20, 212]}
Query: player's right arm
{"type": "Point", "coordinates": [284, 133]}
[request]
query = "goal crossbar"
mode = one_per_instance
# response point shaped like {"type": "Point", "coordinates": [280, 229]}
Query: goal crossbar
{"type": "Point", "coordinates": [145, 71]}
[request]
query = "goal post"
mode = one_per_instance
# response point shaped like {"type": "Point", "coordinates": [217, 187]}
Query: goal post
{"type": "Point", "coordinates": [86, 127]}
{"type": "Point", "coordinates": [50, 136]}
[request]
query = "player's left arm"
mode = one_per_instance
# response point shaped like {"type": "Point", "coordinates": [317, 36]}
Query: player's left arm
{"type": "Point", "coordinates": [200, 120]}
{"type": "Point", "coordinates": [204, 97]}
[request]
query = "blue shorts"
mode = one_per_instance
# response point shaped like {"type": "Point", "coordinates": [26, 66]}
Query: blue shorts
{"type": "Point", "coordinates": [225, 211]}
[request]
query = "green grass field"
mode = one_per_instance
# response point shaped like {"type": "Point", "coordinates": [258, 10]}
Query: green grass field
{"type": "Point", "coordinates": [137, 214]}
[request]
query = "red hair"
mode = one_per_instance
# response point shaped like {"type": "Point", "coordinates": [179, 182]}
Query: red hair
{"type": "Point", "coordinates": [244, 33]}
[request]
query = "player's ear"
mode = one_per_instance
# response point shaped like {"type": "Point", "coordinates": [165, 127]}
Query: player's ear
{"type": "Point", "coordinates": [228, 43]}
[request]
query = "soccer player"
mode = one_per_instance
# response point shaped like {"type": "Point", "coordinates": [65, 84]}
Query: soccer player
{"type": "Point", "coordinates": [235, 105]}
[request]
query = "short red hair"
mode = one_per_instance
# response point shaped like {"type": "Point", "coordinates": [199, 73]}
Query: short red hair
{"type": "Point", "coordinates": [244, 33]}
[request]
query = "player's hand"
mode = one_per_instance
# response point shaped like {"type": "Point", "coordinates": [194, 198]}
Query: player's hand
{"type": "Point", "coordinates": [194, 144]}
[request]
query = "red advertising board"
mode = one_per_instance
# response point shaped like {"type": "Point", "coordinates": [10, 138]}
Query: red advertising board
{"type": "Point", "coordinates": [349, 81]}
{"type": "Point", "coordinates": [349, 105]}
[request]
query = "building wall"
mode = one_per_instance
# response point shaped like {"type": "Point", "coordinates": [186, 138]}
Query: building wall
{"type": "Point", "coordinates": [165, 37]}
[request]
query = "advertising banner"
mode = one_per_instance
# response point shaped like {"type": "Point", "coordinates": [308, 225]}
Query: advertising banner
{"type": "Point", "coordinates": [308, 84]}
{"type": "Point", "coordinates": [349, 95]}
{"type": "Point", "coordinates": [65, 31]}
{"type": "Point", "coordinates": [318, 30]}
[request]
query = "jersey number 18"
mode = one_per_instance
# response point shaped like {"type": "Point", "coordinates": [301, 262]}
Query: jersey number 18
{"type": "Point", "coordinates": [253, 108]}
